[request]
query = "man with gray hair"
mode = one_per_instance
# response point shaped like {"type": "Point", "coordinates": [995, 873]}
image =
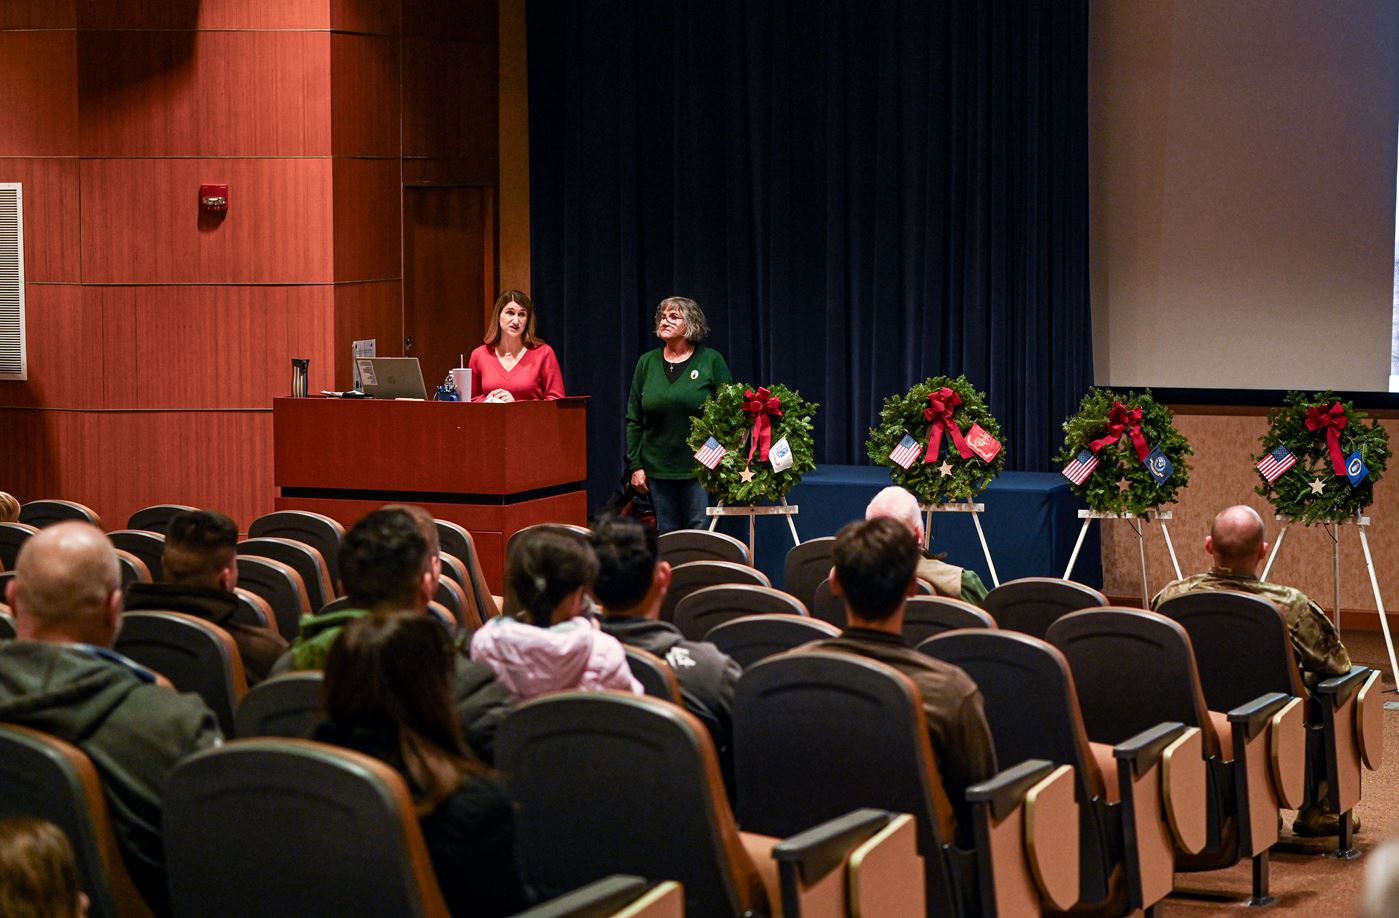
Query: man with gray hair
{"type": "Point", "coordinates": [61, 677]}
{"type": "Point", "coordinates": [949, 580]}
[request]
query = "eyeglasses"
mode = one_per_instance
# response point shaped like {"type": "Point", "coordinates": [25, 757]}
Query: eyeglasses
{"type": "Point", "coordinates": [672, 317]}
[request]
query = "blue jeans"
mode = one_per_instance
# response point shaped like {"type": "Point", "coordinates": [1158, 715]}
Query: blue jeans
{"type": "Point", "coordinates": [679, 504]}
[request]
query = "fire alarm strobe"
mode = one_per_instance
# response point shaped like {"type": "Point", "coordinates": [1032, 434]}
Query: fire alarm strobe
{"type": "Point", "coordinates": [213, 198]}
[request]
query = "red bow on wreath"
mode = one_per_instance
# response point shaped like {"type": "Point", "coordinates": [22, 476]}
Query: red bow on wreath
{"type": "Point", "coordinates": [763, 407]}
{"type": "Point", "coordinates": [1121, 420]}
{"type": "Point", "coordinates": [941, 405]}
{"type": "Point", "coordinates": [1332, 420]}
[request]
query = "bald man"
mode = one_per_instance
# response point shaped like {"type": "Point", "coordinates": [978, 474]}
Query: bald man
{"type": "Point", "coordinates": [898, 503]}
{"type": "Point", "coordinates": [61, 678]}
{"type": "Point", "coordinates": [1236, 544]}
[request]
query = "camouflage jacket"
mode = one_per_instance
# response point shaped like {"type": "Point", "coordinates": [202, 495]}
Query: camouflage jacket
{"type": "Point", "coordinates": [1315, 641]}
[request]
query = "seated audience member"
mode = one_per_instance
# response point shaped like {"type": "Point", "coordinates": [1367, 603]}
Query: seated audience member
{"type": "Point", "coordinates": [9, 508]}
{"type": "Point", "coordinates": [387, 695]}
{"type": "Point", "coordinates": [201, 570]}
{"type": "Point", "coordinates": [631, 584]}
{"type": "Point", "coordinates": [550, 573]}
{"type": "Point", "coordinates": [1380, 892]}
{"type": "Point", "coordinates": [386, 566]}
{"type": "Point", "coordinates": [38, 872]}
{"type": "Point", "coordinates": [947, 579]}
{"type": "Point", "coordinates": [875, 564]}
{"type": "Point", "coordinates": [1236, 545]}
{"type": "Point", "coordinates": [61, 678]}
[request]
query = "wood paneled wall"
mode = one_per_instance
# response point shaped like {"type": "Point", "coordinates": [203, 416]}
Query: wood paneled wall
{"type": "Point", "coordinates": [159, 337]}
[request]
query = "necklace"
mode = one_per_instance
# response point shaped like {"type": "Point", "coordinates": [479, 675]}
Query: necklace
{"type": "Point", "coordinates": [681, 359]}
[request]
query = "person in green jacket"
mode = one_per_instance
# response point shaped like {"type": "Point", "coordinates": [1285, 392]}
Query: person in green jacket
{"type": "Point", "coordinates": [667, 389]}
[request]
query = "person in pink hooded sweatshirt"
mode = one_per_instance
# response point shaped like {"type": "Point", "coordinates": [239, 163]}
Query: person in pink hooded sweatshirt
{"type": "Point", "coordinates": [550, 573]}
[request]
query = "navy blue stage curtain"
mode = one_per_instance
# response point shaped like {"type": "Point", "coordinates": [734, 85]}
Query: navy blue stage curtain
{"type": "Point", "coordinates": [859, 194]}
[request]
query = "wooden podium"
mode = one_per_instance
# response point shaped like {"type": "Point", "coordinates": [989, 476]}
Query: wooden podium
{"type": "Point", "coordinates": [493, 468]}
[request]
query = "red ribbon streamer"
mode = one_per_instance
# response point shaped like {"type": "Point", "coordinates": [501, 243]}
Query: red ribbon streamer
{"type": "Point", "coordinates": [763, 407]}
{"type": "Point", "coordinates": [941, 405]}
{"type": "Point", "coordinates": [1332, 420]}
{"type": "Point", "coordinates": [1121, 420]}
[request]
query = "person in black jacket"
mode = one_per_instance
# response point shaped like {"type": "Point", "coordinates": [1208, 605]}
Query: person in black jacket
{"type": "Point", "coordinates": [631, 584]}
{"type": "Point", "coordinates": [387, 695]}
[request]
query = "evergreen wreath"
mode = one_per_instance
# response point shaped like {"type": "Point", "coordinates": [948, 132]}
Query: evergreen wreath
{"type": "Point", "coordinates": [1292, 494]}
{"type": "Point", "coordinates": [1118, 462]}
{"type": "Point", "coordinates": [724, 419]}
{"type": "Point", "coordinates": [903, 415]}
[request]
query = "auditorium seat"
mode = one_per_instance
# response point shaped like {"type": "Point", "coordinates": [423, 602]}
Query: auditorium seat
{"type": "Point", "coordinates": [454, 569]}
{"type": "Point", "coordinates": [195, 655]}
{"type": "Point", "coordinates": [698, 612]}
{"type": "Point", "coordinates": [301, 557]}
{"type": "Point", "coordinates": [1135, 670]}
{"type": "Point", "coordinates": [806, 566]}
{"type": "Point", "coordinates": [615, 745]}
{"type": "Point", "coordinates": [453, 598]}
{"type": "Point", "coordinates": [289, 706]}
{"type": "Point", "coordinates": [157, 518]}
{"type": "Point", "coordinates": [696, 575]}
{"type": "Point", "coordinates": [926, 616]}
{"type": "Point", "coordinates": [617, 896]}
{"type": "Point", "coordinates": [7, 623]}
{"type": "Point", "coordinates": [1031, 604]}
{"type": "Point", "coordinates": [520, 534]}
{"type": "Point", "coordinates": [1243, 649]}
{"type": "Point", "coordinates": [6, 578]}
{"type": "Point", "coordinates": [457, 541]}
{"type": "Point", "coordinates": [317, 530]}
{"type": "Point", "coordinates": [41, 513]}
{"type": "Point", "coordinates": [684, 545]}
{"type": "Point", "coordinates": [829, 607]}
{"type": "Point", "coordinates": [12, 536]}
{"type": "Point", "coordinates": [804, 725]}
{"type": "Point", "coordinates": [757, 637]}
{"type": "Point", "coordinates": [294, 827]}
{"type": "Point", "coordinates": [253, 610]}
{"type": "Point", "coordinates": [1032, 708]}
{"type": "Point", "coordinates": [654, 674]}
{"type": "Point", "coordinates": [43, 777]}
{"type": "Point", "coordinates": [132, 568]}
{"type": "Point", "coordinates": [281, 586]}
{"type": "Point", "coordinates": [148, 546]}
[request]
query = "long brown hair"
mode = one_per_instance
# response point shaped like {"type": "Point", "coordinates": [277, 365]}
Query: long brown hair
{"type": "Point", "coordinates": [520, 298]}
{"type": "Point", "coordinates": [38, 876]}
{"type": "Point", "coordinates": [392, 671]}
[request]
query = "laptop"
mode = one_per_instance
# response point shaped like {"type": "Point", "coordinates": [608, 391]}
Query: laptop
{"type": "Point", "coordinates": [391, 377]}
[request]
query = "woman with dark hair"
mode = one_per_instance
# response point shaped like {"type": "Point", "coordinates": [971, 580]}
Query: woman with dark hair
{"type": "Point", "coordinates": [667, 389]}
{"type": "Point", "coordinates": [550, 573]}
{"type": "Point", "coordinates": [387, 695]}
{"type": "Point", "coordinates": [513, 364]}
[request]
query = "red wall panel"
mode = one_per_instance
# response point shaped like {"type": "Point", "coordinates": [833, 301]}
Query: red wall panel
{"type": "Point", "coordinates": [141, 221]}
{"type": "Point", "coordinates": [39, 72]}
{"type": "Point", "coordinates": [67, 356]}
{"type": "Point", "coordinates": [368, 219]}
{"type": "Point", "coordinates": [219, 346]}
{"type": "Point", "coordinates": [51, 250]}
{"type": "Point", "coordinates": [365, 96]}
{"type": "Point", "coordinates": [180, 93]}
{"type": "Point", "coordinates": [38, 14]}
{"type": "Point", "coordinates": [202, 14]}
{"type": "Point", "coordinates": [367, 311]}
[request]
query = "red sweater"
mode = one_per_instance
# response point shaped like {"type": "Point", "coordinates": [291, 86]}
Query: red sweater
{"type": "Point", "coordinates": [536, 376]}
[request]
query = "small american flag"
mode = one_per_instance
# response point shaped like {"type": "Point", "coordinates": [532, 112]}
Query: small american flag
{"type": "Point", "coordinates": [710, 453]}
{"type": "Point", "coordinates": [906, 452]}
{"type": "Point", "coordinates": [1082, 466]}
{"type": "Point", "coordinates": [1275, 463]}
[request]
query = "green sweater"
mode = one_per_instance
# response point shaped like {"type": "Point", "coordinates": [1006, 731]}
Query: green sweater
{"type": "Point", "coordinates": [659, 411]}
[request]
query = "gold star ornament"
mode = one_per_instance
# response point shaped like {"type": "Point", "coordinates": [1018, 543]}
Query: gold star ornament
{"type": "Point", "coordinates": [945, 470]}
{"type": "Point", "coordinates": [747, 475]}
{"type": "Point", "coordinates": [1123, 485]}
{"type": "Point", "coordinates": [1318, 485]}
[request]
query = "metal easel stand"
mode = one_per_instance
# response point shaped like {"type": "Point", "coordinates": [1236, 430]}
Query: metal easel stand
{"type": "Point", "coordinates": [753, 511]}
{"type": "Point", "coordinates": [968, 507]}
{"type": "Point", "coordinates": [1138, 521]}
{"type": "Point", "coordinates": [1334, 531]}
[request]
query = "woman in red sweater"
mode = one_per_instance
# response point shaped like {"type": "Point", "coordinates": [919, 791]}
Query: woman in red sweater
{"type": "Point", "coordinates": [513, 364]}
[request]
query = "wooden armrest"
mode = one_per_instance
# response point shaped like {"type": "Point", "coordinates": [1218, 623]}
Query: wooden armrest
{"type": "Point", "coordinates": [1340, 688]}
{"type": "Point", "coordinates": [1143, 751]}
{"type": "Point", "coordinates": [1149, 784]}
{"type": "Point", "coordinates": [1027, 839]}
{"type": "Point", "coordinates": [886, 875]}
{"type": "Point", "coordinates": [1256, 788]}
{"type": "Point", "coordinates": [1287, 751]}
{"type": "Point", "coordinates": [1258, 713]}
{"type": "Point", "coordinates": [605, 896]}
{"type": "Point", "coordinates": [817, 851]}
{"type": "Point", "coordinates": [1369, 721]}
{"type": "Point", "coordinates": [664, 900]}
{"type": "Point", "coordinates": [1007, 789]}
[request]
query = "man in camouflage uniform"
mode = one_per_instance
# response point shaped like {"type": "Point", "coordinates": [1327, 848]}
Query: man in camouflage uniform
{"type": "Point", "coordinates": [1236, 544]}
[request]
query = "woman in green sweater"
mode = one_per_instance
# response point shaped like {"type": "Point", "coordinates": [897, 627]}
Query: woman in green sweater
{"type": "Point", "coordinates": [667, 389]}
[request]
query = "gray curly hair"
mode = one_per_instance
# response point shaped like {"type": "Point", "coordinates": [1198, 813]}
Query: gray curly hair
{"type": "Point", "coordinates": [696, 328]}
